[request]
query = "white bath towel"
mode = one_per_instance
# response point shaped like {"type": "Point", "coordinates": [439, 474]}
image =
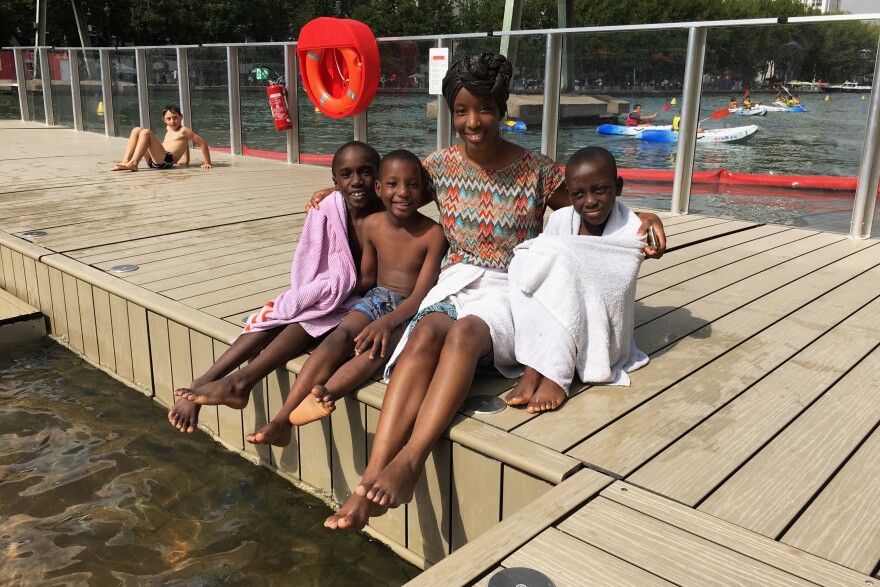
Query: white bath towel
{"type": "Point", "coordinates": [475, 291]}
{"type": "Point", "coordinates": [573, 299]}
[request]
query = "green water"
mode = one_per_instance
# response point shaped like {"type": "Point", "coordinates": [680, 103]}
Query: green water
{"type": "Point", "coordinates": [96, 488]}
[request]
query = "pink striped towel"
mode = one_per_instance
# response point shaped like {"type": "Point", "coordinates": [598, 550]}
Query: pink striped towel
{"type": "Point", "coordinates": [322, 275]}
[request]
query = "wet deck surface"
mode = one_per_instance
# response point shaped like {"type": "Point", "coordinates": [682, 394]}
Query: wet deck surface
{"type": "Point", "coordinates": [746, 452]}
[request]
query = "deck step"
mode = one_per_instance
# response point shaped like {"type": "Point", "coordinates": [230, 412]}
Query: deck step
{"type": "Point", "coordinates": [19, 321]}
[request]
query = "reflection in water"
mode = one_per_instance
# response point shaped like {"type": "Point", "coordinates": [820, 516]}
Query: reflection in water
{"type": "Point", "coordinates": [96, 488]}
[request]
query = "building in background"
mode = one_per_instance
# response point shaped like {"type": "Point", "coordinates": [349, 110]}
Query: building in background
{"type": "Point", "coordinates": [826, 6]}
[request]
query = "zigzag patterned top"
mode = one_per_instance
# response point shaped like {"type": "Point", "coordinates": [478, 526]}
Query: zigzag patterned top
{"type": "Point", "coordinates": [486, 213]}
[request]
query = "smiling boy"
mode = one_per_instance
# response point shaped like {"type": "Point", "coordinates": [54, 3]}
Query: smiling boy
{"type": "Point", "coordinates": [143, 143]}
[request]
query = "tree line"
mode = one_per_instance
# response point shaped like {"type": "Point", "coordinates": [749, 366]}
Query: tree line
{"type": "Point", "coordinates": [824, 52]}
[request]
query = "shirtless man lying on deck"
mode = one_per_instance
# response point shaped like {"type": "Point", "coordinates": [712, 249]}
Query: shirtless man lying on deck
{"type": "Point", "coordinates": [143, 143]}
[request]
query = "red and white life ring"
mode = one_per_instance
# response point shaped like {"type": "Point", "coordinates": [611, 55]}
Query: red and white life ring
{"type": "Point", "coordinates": [339, 65]}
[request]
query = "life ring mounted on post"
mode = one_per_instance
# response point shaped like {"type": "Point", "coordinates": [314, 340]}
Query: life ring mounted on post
{"type": "Point", "coordinates": [339, 65]}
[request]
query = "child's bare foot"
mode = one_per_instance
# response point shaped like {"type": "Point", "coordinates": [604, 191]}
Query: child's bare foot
{"type": "Point", "coordinates": [548, 397]}
{"type": "Point", "coordinates": [274, 433]}
{"type": "Point", "coordinates": [354, 514]}
{"type": "Point", "coordinates": [184, 415]}
{"type": "Point", "coordinates": [226, 392]}
{"type": "Point", "coordinates": [525, 388]}
{"type": "Point", "coordinates": [119, 166]}
{"type": "Point", "coordinates": [125, 166]}
{"type": "Point", "coordinates": [394, 485]}
{"type": "Point", "coordinates": [319, 405]}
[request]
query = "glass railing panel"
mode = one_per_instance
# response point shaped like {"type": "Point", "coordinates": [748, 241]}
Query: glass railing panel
{"type": "Point", "coordinates": [209, 95]}
{"type": "Point", "coordinates": [604, 77]}
{"type": "Point", "coordinates": [89, 62]}
{"type": "Point", "coordinates": [62, 101]}
{"type": "Point", "coordinates": [807, 128]}
{"type": "Point", "coordinates": [34, 75]}
{"type": "Point", "coordinates": [162, 87]}
{"type": "Point", "coordinates": [9, 107]}
{"type": "Point", "coordinates": [319, 134]}
{"type": "Point", "coordinates": [257, 127]}
{"type": "Point", "coordinates": [123, 72]}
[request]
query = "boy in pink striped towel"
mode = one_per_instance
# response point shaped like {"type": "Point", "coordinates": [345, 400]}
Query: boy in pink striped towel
{"type": "Point", "coordinates": [325, 283]}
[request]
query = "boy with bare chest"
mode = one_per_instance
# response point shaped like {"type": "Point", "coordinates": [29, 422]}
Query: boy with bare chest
{"type": "Point", "coordinates": [143, 143]}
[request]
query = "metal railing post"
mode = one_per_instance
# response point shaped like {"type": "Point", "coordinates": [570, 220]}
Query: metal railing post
{"type": "Point", "coordinates": [75, 93]}
{"type": "Point", "coordinates": [107, 93]}
{"type": "Point", "coordinates": [444, 116]}
{"type": "Point", "coordinates": [183, 84]}
{"type": "Point", "coordinates": [550, 121]}
{"type": "Point", "coordinates": [869, 167]}
{"type": "Point", "coordinates": [234, 101]}
{"type": "Point", "coordinates": [46, 77]}
{"type": "Point", "coordinates": [360, 127]}
{"type": "Point", "coordinates": [291, 74]}
{"type": "Point", "coordinates": [21, 80]}
{"type": "Point", "coordinates": [140, 64]}
{"type": "Point", "coordinates": [690, 112]}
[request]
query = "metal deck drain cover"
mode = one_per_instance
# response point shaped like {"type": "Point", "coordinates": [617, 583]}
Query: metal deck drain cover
{"type": "Point", "coordinates": [123, 268]}
{"type": "Point", "coordinates": [31, 233]}
{"type": "Point", "coordinates": [245, 320]}
{"type": "Point", "coordinates": [520, 577]}
{"type": "Point", "coordinates": [484, 404]}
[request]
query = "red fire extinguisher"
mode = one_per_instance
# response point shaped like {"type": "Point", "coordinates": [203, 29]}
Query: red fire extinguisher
{"type": "Point", "coordinates": [278, 103]}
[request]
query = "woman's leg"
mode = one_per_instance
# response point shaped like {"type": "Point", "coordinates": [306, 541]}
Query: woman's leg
{"type": "Point", "coordinates": [184, 414]}
{"type": "Point", "coordinates": [409, 383]}
{"type": "Point", "coordinates": [318, 368]}
{"type": "Point", "coordinates": [467, 341]}
{"type": "Point", "coordinates": [234, 390]}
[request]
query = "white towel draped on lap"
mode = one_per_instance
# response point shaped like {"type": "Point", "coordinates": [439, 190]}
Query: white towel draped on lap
{"type": "Point", "coordinates": [573, 300]}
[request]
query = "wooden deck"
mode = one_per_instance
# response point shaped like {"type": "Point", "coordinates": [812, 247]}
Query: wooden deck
{"type": "Point", "coordinates": [746, 452]}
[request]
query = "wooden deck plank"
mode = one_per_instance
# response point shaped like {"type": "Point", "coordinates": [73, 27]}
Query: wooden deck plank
{"type": "Point", "coordinates": [139, 331]}
{"type": "Point", "coordinates": [87, 320]}
{"type": "Point", "coordinates": [520, 490]}
{"type": "Point", "coordinates": [30, 278]}
{"type": "Point", "coordinates": [277, 276]}
{"type": "Point", "coordinates": [59, 306]}
{"type": "Point", "coordinates": [569, 562]}
{"type": "Point", "coordinates": [473, 473]}
{"type": "Point", "coordinates": [251, 302]}
{"type": "Point", "coordinates": [428, 519]}
{"type": "Point", "coordinates": [104, 328]}
{"type": "Point", "coordinates": [648, 429]}
{"type": "Point", "coordinates": [393, 523]}
{"type": "Point", "coordinates": [71, 306]}
{"type": "Point", "coordinates": [160, 352]}
{"type": "Point", "coordinates": [788, 559]}
{"type": "Point", "coordinates": [769, 491]}
{"type": "Point", "coordinates": [666, 551]}
{"type": "Point", "coordinates": [348, 447]}
{"type": "Point", "coordinates": [697, 463]}
{"type": "Point", "coordinates": [843, 523]}
{"type": "Point", "coordinates": [121, 337]}
{"type": "Point", "coordinates": [710, 328]}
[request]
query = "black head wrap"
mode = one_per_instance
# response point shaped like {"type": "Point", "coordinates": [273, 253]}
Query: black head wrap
{"type": "Point", "coordinates": [481, 73]}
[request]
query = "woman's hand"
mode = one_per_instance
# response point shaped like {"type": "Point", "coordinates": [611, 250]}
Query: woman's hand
{"type": "Point", "coordinates": [652, 220]}
{"type": "Point", "coordinates": [374, 337]}
{"type": "Point", "coordinates": [317, 197]}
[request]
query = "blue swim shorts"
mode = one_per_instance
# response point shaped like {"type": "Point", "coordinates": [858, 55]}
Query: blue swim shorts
{"type": "Point", "coordinates": [379, 302]}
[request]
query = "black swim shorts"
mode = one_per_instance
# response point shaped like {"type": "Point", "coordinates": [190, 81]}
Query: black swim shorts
{"type": "Point", "coordinates": [167, 163]}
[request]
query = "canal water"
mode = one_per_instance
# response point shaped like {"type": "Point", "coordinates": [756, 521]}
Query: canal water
{"type": "Point", "coordinates": [96, 488]}
{"type": "Point", "coordinates": [826, 140]}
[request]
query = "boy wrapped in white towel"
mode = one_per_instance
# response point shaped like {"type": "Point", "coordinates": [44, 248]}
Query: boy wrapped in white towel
{"type": "Point", "coordinates": [572, 289]}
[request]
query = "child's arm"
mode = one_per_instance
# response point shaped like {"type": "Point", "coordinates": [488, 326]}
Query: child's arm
{"type": "Point", "coordinates": [206, 154]}
{"type": "Point", "coordinates": [369, 260]}
{"type": "Point", "coordinates": [184, 159]}
{"type": "Point", "coordinates": [375, 335]}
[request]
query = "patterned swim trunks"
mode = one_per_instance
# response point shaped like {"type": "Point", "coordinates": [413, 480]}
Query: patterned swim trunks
{"type": "Point", "coordinates": [379, 302]}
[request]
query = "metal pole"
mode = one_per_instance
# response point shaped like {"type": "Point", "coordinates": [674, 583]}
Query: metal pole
{"type": "Point", "coordinates": [444, 116]}
{"type": "Point", "coordinates": [234, 101]}
{"type": "Point", "coordinates": [107, 93]}
{"type": "Point", "coordinates": [140, 64]}
{"type": "Point", "coordinates": [21, 80]}
{"type": "Point", "coordinates": [690, 112]}
{"type": "Point", "coordinates": [360, 127]}
{"type": "Point", "coordinates": [183, 84]}
{"type": "Point", "coordinates": [869, 167]}
{"type": "Point", "coordinates": [550, 121]}
{"type": "Point", "coordinates": [75, 94]}
{"type": "Point", "coordinates": [41, 23]}
{"type": "Point", "coordinates": [291, 76]}
{"type": "Point", "coordinates": [46, 77]}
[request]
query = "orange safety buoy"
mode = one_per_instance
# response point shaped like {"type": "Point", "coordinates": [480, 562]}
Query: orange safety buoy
{"type": "Point", "coordinates": [339, 65]}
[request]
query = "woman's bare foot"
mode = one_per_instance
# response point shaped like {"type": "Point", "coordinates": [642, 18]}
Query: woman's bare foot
{"type": "Point", "coordinates": [184, 415]}
{"type": "Point", "coordinates": [227, 392]}
{"type": "Point", "coordinates": [319, 405]}
{"type": "Point", "coordinates": [354, 514]}
{"type": "Point", "coordinates": [274, 433]}
{"type": "Point", "coordinates": [548, 397]}
{"type": "Point", "coordinates": [395, 484]}
{"type": "Point", "coordinates": [525, 388]}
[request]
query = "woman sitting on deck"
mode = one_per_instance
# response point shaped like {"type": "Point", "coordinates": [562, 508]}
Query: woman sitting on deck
{"type": "Point", "coordinates": [492, 195]}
